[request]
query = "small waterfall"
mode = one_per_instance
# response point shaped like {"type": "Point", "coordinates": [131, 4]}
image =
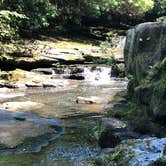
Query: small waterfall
{"type": "Point", "coordinates": [97, 75]}
{"type": "Point", "coordinates": [121, 43]}
{"type": "Point", "coordinates": [90, 74]}
{"type": "Point", "coordinates": [67, 71]}
{"type": "Point", "coordinates": [118, 42]}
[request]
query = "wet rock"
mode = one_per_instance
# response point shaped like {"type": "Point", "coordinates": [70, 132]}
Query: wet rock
{"type": "Point", "coordinates": [16, 128]}
{"type": "Point", "coordinates": [33, 85]}
{"type": "Point", "coordinates": [114, 124]}
{"type": "Point", "coordinates": [21, 106]}
{"type": "Point", "coordinates": [160, 162]}
{"type": "Point", "coordinates": [89, 100]}
{"type": "Point", "coordinates": [4, 75]}
{"type": "Point", "coordinates": [114, 131]}
{"type": "Point", "coordinates": [6, 94]}
{"type": "Point", "coordinates": [68, 69]}
{"type": "Point", "coordinates": [49, 84]}
{"type": "Point", "coordinates": [63, 55]}
{"type": "Point", "coordinates": [24, 79]}
{"type": "Point", "coordinates": [74, 77]}
{"type": "Point", "coordinates": [48, 71]}
{"type": "Point", "coordinates": [144, 152]}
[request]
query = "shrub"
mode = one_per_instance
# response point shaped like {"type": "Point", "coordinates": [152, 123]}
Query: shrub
{"type": "Point", "coordinates": [9, 24]}
{"type": "Point", "coordinates": [38, 11]}
{"type": "Point", "coordinates": [159, 8]}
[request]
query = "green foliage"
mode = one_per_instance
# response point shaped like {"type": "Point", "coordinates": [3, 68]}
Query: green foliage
{"type": "Point", "coordinates": [42, 12]}
{"type": "Point", "coordinates": [97, 7]}
{"type": "Point", "coordinates": [162, 84]}
{"type": "Point", "coordinates": [159, 8]}
{"type": "Point", "coordinates": [111, 61]}
{"type": "Point", "coordinates": [39, 12]}
{"type": "Point", "coordinates": [104, 46]}
{"type": "Point", "coordinates": [157, 74]}
{"type": "Point", "coordinates": [9, 24]}
{"type": "Point", "coordinates": [70, 11]}
{"type": "Point", "coordinates": [108, 61]}
{"type": "Point", "coordinates": [142, 5]}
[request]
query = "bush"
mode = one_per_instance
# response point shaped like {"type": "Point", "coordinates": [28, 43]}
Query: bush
{"type": "Point", "coordinates": [9, 24]}
{"type": "Point", "coordinates": [39, 12]}
{"type": "Point", "coordinates": [159, 8]}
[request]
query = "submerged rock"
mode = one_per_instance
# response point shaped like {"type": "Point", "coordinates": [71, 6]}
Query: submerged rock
{"type": "Point", "coordinates": [21, 106]}
{"type": "Point", "coordinates": [6, 96]}
{"type": "Point", "coordinates": [19, 129]}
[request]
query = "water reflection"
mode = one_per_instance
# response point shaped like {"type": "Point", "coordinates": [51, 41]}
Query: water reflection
{"type": "Point", "coordinates": [78, 143]}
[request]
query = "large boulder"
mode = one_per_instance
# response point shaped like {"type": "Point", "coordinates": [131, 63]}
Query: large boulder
{"type": "Point", "coordinates": [145, 61]}
{"type": "Point", "coordinates": [145, 46]}
{"type": "Point", "coordinates": [114, 131]}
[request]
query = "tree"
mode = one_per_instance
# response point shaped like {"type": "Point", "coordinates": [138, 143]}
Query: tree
{"type": "Point", "coordinates": [38, 12]}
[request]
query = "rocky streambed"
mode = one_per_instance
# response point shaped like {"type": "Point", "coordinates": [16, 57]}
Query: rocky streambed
{"type": "Point", "coordinates": [81, 113]}
{"type": "Point", "coordinates": [84, 134]}
{"type": "Point", "coordinates": [79, 105]}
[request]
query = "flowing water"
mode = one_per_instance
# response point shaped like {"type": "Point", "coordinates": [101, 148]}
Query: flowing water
{"type": "Point", "coordinates": [78, 143]}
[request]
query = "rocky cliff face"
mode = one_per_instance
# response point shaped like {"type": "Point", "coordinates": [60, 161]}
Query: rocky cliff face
{"type": "Point", "coordinates": [145, 60]}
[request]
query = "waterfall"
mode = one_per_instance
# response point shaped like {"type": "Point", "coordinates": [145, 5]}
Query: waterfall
{"type": "Point", "coordinates": [97, 75]}
{"type": "Point", "coordinates": [121, 43]}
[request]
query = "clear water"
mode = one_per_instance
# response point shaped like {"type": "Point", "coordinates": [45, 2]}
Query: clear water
{"type": "Point", "coordinates": [80, 121]}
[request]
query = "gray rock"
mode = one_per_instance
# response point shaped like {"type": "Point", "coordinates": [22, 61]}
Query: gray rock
{"type": "Point", "coordinates": [145, 46]}
{"type": "Point", "coordinates": [47, 71]}
{"type": "Point", "coordinates": [89, 100]}
{"type": "Point", "coordinates": [141, 152]}
{"type": "Point", "coordinates": [33, 85]}
{"type": "Point", "coordinates": [114, 131]}
{"type": "Point", "coordinates": [7, 96]}
{"type": "Point", "coordinates": [17, 128]}
{"type": "Point", "coordinates": [74, 77]}
{"type": "Point", "coordinates": [21, 106]}
{"type": "Point", "coordinates": [145, 53]}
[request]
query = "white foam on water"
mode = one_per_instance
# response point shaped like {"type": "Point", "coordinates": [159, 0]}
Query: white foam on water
{"type": "Point", "coordinates": [97, 75]}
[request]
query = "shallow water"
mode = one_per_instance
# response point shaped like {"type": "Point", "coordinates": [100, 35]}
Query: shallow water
{"type": "Point", "coordinates": [80, 121]}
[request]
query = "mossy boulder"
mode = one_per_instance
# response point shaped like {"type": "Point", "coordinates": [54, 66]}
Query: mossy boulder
{"type": "Point", "coordinates": [114, 131]}
{"type": "Point", "coordinates": [145, 61]}
{"type": "Point", "coordinates": [151, 94]}
{"type": "Point", "coordinates": [145, 46]}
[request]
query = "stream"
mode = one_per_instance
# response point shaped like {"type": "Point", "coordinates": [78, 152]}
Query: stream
{"type": "Point", "coordinates": [81, 121]}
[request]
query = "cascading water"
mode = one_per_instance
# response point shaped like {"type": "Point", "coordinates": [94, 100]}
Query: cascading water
{"type": "Point", "coordinates": [93, 75]}
{"type": "Point", "coordinates": [97, 75]}
{"type": "Point", "coordinates": [121, 43]}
